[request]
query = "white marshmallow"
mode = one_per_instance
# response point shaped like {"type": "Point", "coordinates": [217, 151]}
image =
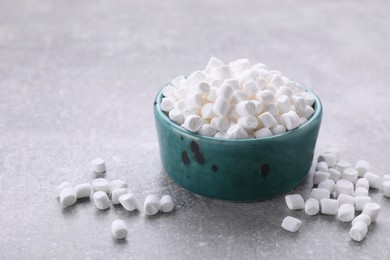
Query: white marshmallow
{"type": "Point", "coordinates": [101, 201]}
{"type": "Point", "coordinates": [233, 83]}
{"type": "Point", "coordinates": [207, 111]}
{"type": "Point", "coordinates": [299, 103]}
{"type": "Point", "coordinates": [213, 63]}
{"type": "Point", "coordinates": [283, 103]}
{"type": "Point", "coordinates": [238, 96]}
{"type": "Point", "coordinates": [176, 81]}
{"type": "Point", "coordinates": [361, 202]}
{"type": "Point", "coordinates": [309, 98]}
{"type": "Point", "coordinates": [202, 88]}
{"type": "Point", "coordinates": [320, 177]}
{"type": "Point", "coordinates": [196, 77]}
{"type": "Point", "coordinates": [358, 231]}
{"type": "Point", "coordinates": [345, 199]}
{"type": "Point", "coordinates": [116, 194]}
{"type": "Point", "coordinates": [207, 130]}
{"type": "Point", "coordinates": [342, 165]}
{"type": "Point", "coordinates": [213, 94]}
{"type": "Point", "coordinates": [116, 184]}
{"type": "Point", "coordinates": [372, 210]}
{"type": "Point", "coordinates": [346, 213]}
{"type": "Point", "coordinates": [278, 129]}
{"type": "Point", "coordinates": [272, 108]}
{"type": "Point", "coordinates": [267, 120]}
{"type": "Point", "coordinates": [329, 206]}
{"type": "Point", "coordinates": [334, 174]}
{"type": "Point", "coordinates": [250, 88]}
{"type": "Point", "coordinates": [176, 116]}
{"type": "Point", "coordinates": [362, 218]}
{"type": "Point", "coordinates": [290, 120]}
{"type": "Point", "coordinates": [312, 207]}
{"type": "Point", "coordinates": [194, 101]}
{"type": "Point", "coordinates": [168, 91]}
{"type": "Point", "coordinates": [236, 131]}
{"type": "Point", "coordinates": [360, 191]}
{"type": "Point", "coordinates": [100, 184]}
{"type": "Point", "coordinates": [276, 80]}
{"type": "Point", "coordinates": [350, 174]}
{"type": "Point", "coordinates": [374, 180]}
{"type": "Point", "coordinates": [362, 167]}
{"type": "Point", "coordinates": [119, 229]}
{"type": "Point", "coordinates": [222, 72]}
{"type": "Point", "coordinates": [167, 104]}
{"type": "Point", "coordinates": [284, 91]}
{"type": "Point", "coordinates": [386, 188]}
{"type": "Point", "coordinates": [362, 182]}
{"type": "Point", "coordinates": [307, 113]}
{"type": "Point", "coordinates": [320, 193]}
{"type": "Point", "coordinates": [295, 202]}
{"type": "Point", "coordinates": [291, 224]}
{"type": "Point", "coordinates": [98, 165]}
{"type": "Point", "coordinates": [128, 201]}
{"type": "Point", "coordinates": [62, 186]}
{"type": "Point", "coordinates": [329, 158]}
{"type": "Point", "coordinates": [265, 96]}
{"type": "Point", "coordinates": [166, 203]}
{"type": "Point", "coordinates": [345, 187]}
{"type": "Point", "coordinates": [322, 167]}
{"type": "Point", "coordinates": [262, 133]}
{"type": "Point", "coordinates": [220, 107]}
{"type": "Point", "coordinates": [248, 122]}
{"type": "Point", "coordinates": [222, 135]}
{"type": "Point", "coordinates": [240, 65]}
{"type": "Point", "coordinates": [68, 197]}
{"type": "Point", "coordinates": [225, 92]}
{"type": "Point", "coordinates": [83, 190]}
{"type": "Point", "coordinates": [220, 123]}
{"type": "Point", "coordinates": [329, 184]}
{"type": "Point", "coordinates": [245, 108]}
{"type": "Point", "coordinates": [151, 205]}
{"type": "Point", "coordinates": [193, 123]}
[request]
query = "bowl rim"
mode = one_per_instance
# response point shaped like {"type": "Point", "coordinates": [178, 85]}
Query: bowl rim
{"type": "Point", "coordinates": [317, 113]}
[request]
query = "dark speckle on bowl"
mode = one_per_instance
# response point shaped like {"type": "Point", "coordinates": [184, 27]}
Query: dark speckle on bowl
{"type": "Point", "coordinates": [214, 167]}
{"type": "Point", "coordinates": [265, 169]}
{"type": "Point", "coordinates": [198, 155]}
{"type": "Point", "coordinates": [184, 158]}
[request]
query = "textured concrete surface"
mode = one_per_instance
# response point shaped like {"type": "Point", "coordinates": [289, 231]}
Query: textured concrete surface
{"type": "Point", "coordinates": [77, 81]}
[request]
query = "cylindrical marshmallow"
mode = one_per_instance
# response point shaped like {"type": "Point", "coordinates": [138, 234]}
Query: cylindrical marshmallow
{"type": "Point", "coordinates": [372, 210]}
{"type": "Point", "coordinates": [167, 104]}
{"type": "Point", "coordinates": [290, 120]}
{"type": "Point", "coordinates": [245, 108]}
{"type": "Point", "coordinates": [322, 167]}
{"type": "Point", "coordinates": [61, 187]}
{"type": "Point", "coordinates": [350, 174]}
{"type": "Point", "coordinates": [225, 91]}
{"type": "Point", "coordinates": [344, 187]}
{"type": "Point", "coordinates": [128, 201]}
{"type": "Point", "coordinates": [346, 213]}
{"type": "Point", "coordinates": [151, 205]}
{"type": "Point", "coordinates": [248, 122]}
{"type": "Point", "coordinates": [278, 129]}
{"type": "Point", "coordinates": [166, 204]}
{"type": "Point", "coordinates": [358, 231]}
{"type": "Point", "coordinates": [345, 199]}
{"type": "Point", "coordinates": [250, 88]}
{"type": "Point", "coordinates": [362, 218]}
{"type": "Point", "coordinates": [320, 193]}
{"type": "Point", "coordinates": [334, 174]}
{"type": "Point", "coordinates": [236, 131]}
{"type": "Point", "coordinates": [101, 201]}
{"type": "Point", "coordinates": [98, 165]}
{"type": "Point", "coordinates": [329, 158]}
{"type": "Point", "coordinates": [116, 195]}
{"type": "Point", "coordinates": [116, 184]}
{"type": "Point", "coordinates": [320, 177]}
{"type": "Point", "coordinates": [213, 63]}
{"type": "Point", "coordinates": [192, 123]}
{"type": "Point", "coordinates": [119, 229]}
{"type": "Point", "coordinates": [291, 224]}
{"type": "Point", "coordinates": [100, 184]}
{"type": "Point", "coordinates": [386, 188]}
{"type": "Point", "coordinates": [284, 90]}
{"type": "Point", "coordinates": [312, 207]}
{"type": "Point", "coordinates": [329, 184]}
{"type": "Point", "coordinates": [342, 165]}
{"type": "Point", "coordinates": [266, 96]}
{"type": "Point", "coordinates": [220, 123]}
{"type": "Point", "coordinates": [83, 190]}
{"type": "Point", "coordinates": [68, 197]}
{"type": "Point", "coordinates": [262, 133]}
{"type": "Point", "coordinates": [362, 182]}
{"type": "Point", "coordinates": [329, 206]}
{"type": "Point", "coordinates": [267, 119]}
{"type": "Point", "coordinates": [194, 101]}
{"type": "Point", "coordinates": [361, 202]}
{"type": "Point", "coordinates": [307, 112]}
{"type": "Point", "coordinates": [361, 191]}
{"type": "Point", "coordinates": [362, 167]}
{"type": "Point", "coordinates": [207, 130]}
{"type": "Point", "coordinates": [374, 180]}
{"type": "Point", "coordinates": [176, 116]}
{"type": "Point", "coordinates": [295, 201]}
{"type": "Point", "coordinates": [283, 103]}
{"type": "Point", "coordinates": [233, 83]}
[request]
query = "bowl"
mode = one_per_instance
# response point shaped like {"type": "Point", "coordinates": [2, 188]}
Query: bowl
{"type": "Point", "coordinates": [237, 169]}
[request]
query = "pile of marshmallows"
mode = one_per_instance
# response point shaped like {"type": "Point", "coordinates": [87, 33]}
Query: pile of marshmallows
{"type": "Point", "coordinates": [341, 190]}
{"type": "Point", "coordinates": [101, 189]}
{"type": "Point", "coordinates": [237, 101]}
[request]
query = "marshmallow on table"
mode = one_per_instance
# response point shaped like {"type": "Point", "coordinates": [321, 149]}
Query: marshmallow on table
{"type": "Point", "coordinates": [291, 224]}
{"type": "Point", "coordinates": [61, 187]}
{"type": "Point", "coordinates": [350, 174]}
{"type": "Point", "coordinates": [345, 199]}
{"type": "Point", "coordinates": [386, 188]}
{"type": "Point", "coordinates": [128, 201]}
{"type": "Point", "coordinates": [98, 165]}
{"type": "Point", "coordinates": [151, 205]}
{"type": "Point", "coordinates": [362, 218]}
{"type": "Point", "coordinates": [193, 123]}
{"type": "Point", "coordinates": [119, 229]}
{"type": "Point", "coordinates": [68, 197]}
{"type": "Point", "coordinates": [374, 180]}
{"type": "Point", "coordinates": [213, 63]}
{"type": "Point", "coordinates": [320, 177]}
{"type": "Point", "coordinates": [83, 190]}
{"type": "Point", "coordinates": [346, 213]}
{"type": "Point", "coordinates": [334, 174]}
{"type": "Point", "coordinates": [116, 194]}
{"type": "Point", "coordinates": [322, 166]}
{"type": "Point", "coordinates": [372, 210]}
{"type": "Point", "coordinates": [295, 202]}
{"type": "Point", "coordinates": [320, 193]}
{"type": "Point", "coordinates": [362, 167]}
{"type": "Point", "coordinates": [101, 200]}
{"type": "Point", "coordinates": [116, 184]}
{"type": "Point", "coordinates": [329, 184]}
{"type": "Point", "coordinates": [329, 206]}
{"type": "Point", "coordinates": [361, 202]}
{"type": "Point", "coordinates": [362, 182]}
{"type": "Point", "coordinates": [344, 187]}
{"type": "Point", "coordinates": [100, 184]}
{"type": "Point", "coordinates": [342, 165]}
{"type": "Point", "coordinates": [361, 191]}
{"type": "Point", "coordinates": [358, 231]}
{"type": "Point", "coordinates": [166, 204]}
{"type": "Point", "coordinates": [312, 207]}
{"type": "Point", "coordinates": [329, 158]}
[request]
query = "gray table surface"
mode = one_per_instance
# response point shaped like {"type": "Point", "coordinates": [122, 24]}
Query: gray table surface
{"type": "Point", "coordinates": [78, 79]}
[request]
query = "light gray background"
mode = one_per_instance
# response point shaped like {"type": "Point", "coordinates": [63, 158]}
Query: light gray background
{"type": "Point", "coordinates": [78, 79]}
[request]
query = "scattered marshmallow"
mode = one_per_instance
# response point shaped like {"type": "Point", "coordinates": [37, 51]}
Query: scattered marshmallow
{"type": "Point", "coordinates": [322, 166]}
{"type": "Point", "coordinates": [83, 190]}
{"type": "Point", "coordinates": [291, 224]}
{"type": "Point", "coordinates": [61, 187]}
{"type": "Point", "coordinates": [374, 180]}
{"type": "Point", "coordinates": [345, 199]}
{"type": "Point", "coordinates": [329, 206]}
{"type": "Point", "coordinates": [342, 165]}
{"type": "Point", "coordinates": [350, 174]}
{"type": "Point", "coordinates": [151, 205]}
{"type": "Point", "coordinates": [346, 213]}
{"type": "Point", "coordinates": [312, 207]}
{"type": "Point", "coordinates": [362, 167]}
{"type": "Point", "coordinates": [363, 183]}
{"type": "Point", "coordinates": [334, 174]}
{"type": "Point", "coordinates": [320, 177]}
{"type": "Point", "coordinates": [100, 184]}
{"type": "Point", "coordinates": [166, 204]}
{"type": "Point", "coordinates": [358, 231]}
{"type": "Point", "coordinates": [116, 184]}
{"type": "Point", "coordinates": [344, 187]}
{"type": "Point", "coordinates": [328, 157]}
{"type": "Point", "coordinates": [372, 209]}
{"type": "Point", "coordinates": [386, 188]}
{"type": "Point", "coordinates": [320, 193]}
{"type": "Point", "coordinates": [361, 202]}
{"type": "Point", "coordinates": [295, 202]}
{"type": "Point", "coordinates": [361, 191]}
{"type": "Point", "coordinates": [329, 184]}
{"type": "Point", "coordinates": [119, 229]}
{"type": "Point", "coordinates": [116, 195]}
{"type": "Point", "coordinates": [362, 218]}
{"type": "Point", "coordinates": [101, 200]}
{"type": "Point", "coordinates": [68, 197]}
{"type": "Point", "coordinates": [129, 202]}
{"type": "Point", "coordinates": [98, 165]}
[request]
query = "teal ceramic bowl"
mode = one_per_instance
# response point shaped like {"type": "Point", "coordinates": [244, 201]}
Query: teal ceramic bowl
{"type": "Point", "coordinates": [240, 169]}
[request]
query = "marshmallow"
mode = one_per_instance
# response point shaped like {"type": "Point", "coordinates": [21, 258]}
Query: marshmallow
{"type": "Point", "coordinates": [262, 133]}
{"type": "Point", "coordinates": [196, 77]}
{"type": "Point", "coordinates": [220, 107]}
{"type": "Point", "coordinates": [312, 207]}
{"type": "Point", "coordinates": [128, 201]}
{"type": "Point", "coordinates": [119, 229]}
{"type": "Point", "coordinates": [334, 174]}
{"type": "Point", "coordinates": [116, 184]}
{"type": "Point", "coordinates": [236, 131]}
{"type": "Point", "coordinates": [342, 165]}
{"type": "Point", "coordinates": [240, 65]}
{"type": "Point", "coordinates": [307, 113]}
{"type": "Point", "coordinates": [222, 135]}
{"type": "Point", "coordinates": [176, 81]}
{"type": "Point", "coordinates": [68, 197]}
{"type": "Point", "coordinates": [329, 184]}
{"type": "Point", "coordinates": [361, 202]}
{"type": "Point", "coordinates": [362, 167]}
{"type": "Point", "coordinates": [329, 158]}
{"type": "Point", "coordinates": [248, 122]}
{"type": "Point", "coordinates": [290, 120]}
{"type": "Point", "coordinates": [320, 193]}
{"type": "Point", "coordinates": [83, 190]}
{"type": "Point", "coordinates": [116, 195]}
{"type": "Point", "coordinates": [295, 202]}
{"type": "Point", "coordinates": [276, 80]}
{"type": "Point", "coordinates": [362, 218]}
{"type": "Point", "coordinates": [207, 130]}
{"type": "Point", "coordinates": [151, 205]}
{"type": "Point", "coordinates": [374, 180]}
{"type": "Point", "coordinates": [167, 104]}
{"type": "Point", "coordinates": [320, 177]}
{"type": "Point", "coordinates": [265, 96]}
{"type": "Point", "coordinates": [166, 203]}
{"type": "Point", "coordinates": [372, 210]}
{"type": "Point", "coordinates": [201, 88]}
{"type": "Point", "coordinates": [98, 165]}
{"type": "Point", "coordinates": [309, 98]}
{"type": "Point", "coordinates": [225, 92]}
{"type": "Point", "coordinates": [233, 83]}
{"type": "Point", "coordinates": [101, 201]}
{"type": "Point", "coordinates": [322, 166]}
{"type": "Point", "coordinates": [291, 224]}
{"type": "Point", "coordinates": [222, 72]}
{"type": "Point", "coordinates": [168, 91]}
{"type": "Point", "coordinates": [360, 191]}
{"type": "Point", "coordinates": [272, 108]}
{"type": "Point", "coordinates": [345, 199]}
{"type": "Point", "coordinates": [267, 120]}
{"type": "Point", "coordinates": [299, 103]}
{"type": "Point", "coordinates": [192, 123]}
{"type": "Point", "coordinates": [346, 213]}
{"type": "Point", "coordinates": [329, 206]}
{"type": "Point", "coordinates": [278, 129]}
{"type": "Point", "coordinates": [386, 188]}
{"type": "Point", "coordinates": [350, 174]}
{"type": "Point", "coordinates": [176, 116]}
{"type": "Point", "coordinates": [358, 231]}
{"type": "Point", "coordinates": [245, 108]}
{"type": "Point", "coordinates": [213, 63]}
{"type": "Point", "coordinates": [283, 103]}
{"type": "Point", "coordinates": [284, 91]}
{"type": "Point", "coordinates": [250, 88]}
{"type": "Point", "coordinates": [194, 101]}
{"type": "Point", "coordinates": [61, 187]}
{"type": "Point", "coordinates": [220, 123]}
{"type": "Point", "coordinates": [345, 187]}
{"type": "Point", "coordinates": [238, 96]}
{"type": "Point", "coordinates": [100, 184]}
{"type": "Point", "coordinates": [362, 182]}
